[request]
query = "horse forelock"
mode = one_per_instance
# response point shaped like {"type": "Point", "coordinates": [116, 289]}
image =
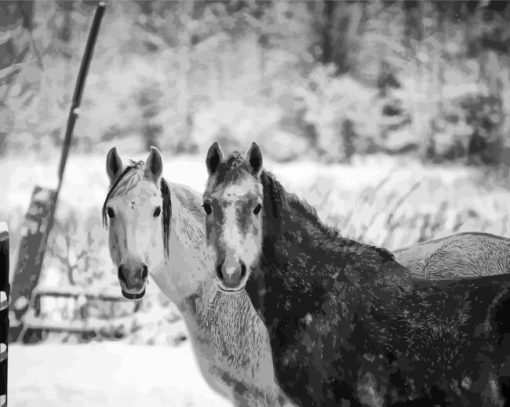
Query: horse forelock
{"type": "Point", "coordinates": [235, 161]}
{"type": "Point", "coordinates": [124, 183]}
{"type": "Point", "coordinates": [232, 169]}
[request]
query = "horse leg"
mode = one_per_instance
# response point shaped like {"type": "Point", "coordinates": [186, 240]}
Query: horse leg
{"type": "Point", "coordinates": [487, 392]}
{"type": "Point", "coordinates": [504, 386]}
{"type": "Point", "coordinates": [368, 393]}
{"type": "Point", "coordinates": [492, 395]}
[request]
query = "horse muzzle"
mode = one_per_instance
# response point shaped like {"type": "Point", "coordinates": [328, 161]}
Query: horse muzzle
{"type": "Point", "coordinates": [133, 281]}
{"type": "Point", "coordinates": [231, 279]}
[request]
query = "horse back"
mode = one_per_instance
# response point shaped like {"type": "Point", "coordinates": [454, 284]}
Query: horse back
{"type": "Point", "coordinates": [468, 254]}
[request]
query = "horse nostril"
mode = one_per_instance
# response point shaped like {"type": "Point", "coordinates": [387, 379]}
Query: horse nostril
{"type": "Point", "coordinates": [243, 268]}
{"type": "Point", "coordinates": [145, 271]}
{"type": "Point", "coordinates": [219, 273]}
{"type": "Point", "coordinates": [120, 274]}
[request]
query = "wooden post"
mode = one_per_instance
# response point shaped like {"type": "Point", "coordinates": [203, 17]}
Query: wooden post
{"type": "Point", "coordinates": [34, 236]}
{"type": "Point", "coordinates": [4, 310]}
{"type": "Point", "coordinates": [39, 218]}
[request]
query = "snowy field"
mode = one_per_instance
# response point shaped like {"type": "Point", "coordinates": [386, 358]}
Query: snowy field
{"type": "Point", "coordinates": [378, 200]}
{"type": "Point", "coordinates": [85, 184]}
{"type": "Point", "coordinates": [365, 199]}
{"type": "Point", "coordinates": [106, 374]}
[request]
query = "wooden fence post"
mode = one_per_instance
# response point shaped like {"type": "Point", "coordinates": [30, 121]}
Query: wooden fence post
{"type": "Point", "coordinates": [34, 235]}
{"type": "Point", "coordinates": [4, 310]}
{"type": "Point", "coordinates": [39, 218]}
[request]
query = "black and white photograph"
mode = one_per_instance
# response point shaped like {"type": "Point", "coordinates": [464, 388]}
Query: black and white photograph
{"type": "Point", "coordinates": [254, 203]}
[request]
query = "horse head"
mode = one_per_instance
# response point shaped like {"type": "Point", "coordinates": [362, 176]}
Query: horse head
{"type": "Point", "coordinates": [240, 201]}
{"type": "Point", "coordinates": [137, 212]}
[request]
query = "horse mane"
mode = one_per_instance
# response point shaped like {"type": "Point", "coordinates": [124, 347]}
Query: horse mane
{"type": "Point", "coordinates": [309, 212]}
{"type": "Point", "coordinates": [282, 202]}
{"type": "Point", "coordinates": [230, 169]}
{"type": "Point", "coordinates": [283, 205]}
{"type": "Point", "coordinates": [236, 161]}
{"type": "Point", "coordinates": [167, 213]}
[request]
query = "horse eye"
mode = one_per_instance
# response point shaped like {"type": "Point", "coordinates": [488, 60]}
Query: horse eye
{"type": "Point", "coordinates": [257, 209]}
{"type": "Point", "coordinates": [207, 208]}
{"type": "Point", "coordinates": [110, 213]}
{"type": "Point", "coordinates": [157, 211]}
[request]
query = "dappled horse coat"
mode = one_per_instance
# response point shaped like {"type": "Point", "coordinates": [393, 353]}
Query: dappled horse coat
{"type": "Point", "coordinates": [348, 323]}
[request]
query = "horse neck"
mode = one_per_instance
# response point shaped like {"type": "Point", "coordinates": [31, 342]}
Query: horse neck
{"type": "Point", "coordinates": [185, 270]}
{"type": "Point", "coordinates": [307, 258]}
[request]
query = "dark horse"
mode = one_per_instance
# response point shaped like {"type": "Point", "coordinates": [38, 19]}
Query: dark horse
{"type": "Point", "coordinates": [348, 324]}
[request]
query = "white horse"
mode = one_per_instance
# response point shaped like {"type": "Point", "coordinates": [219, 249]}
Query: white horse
{"type": "Point", "coordinates": [158, 227]}
{"type": "Point", "coordinates": [471, 254]}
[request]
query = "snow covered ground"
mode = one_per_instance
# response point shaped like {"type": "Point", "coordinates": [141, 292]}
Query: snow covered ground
{"type": "Point", "coordinates": [107, 374]}
{"type": "Point", "coordinates": [394, 213]}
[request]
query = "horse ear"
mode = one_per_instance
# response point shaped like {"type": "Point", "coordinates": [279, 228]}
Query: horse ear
{"type": "Point", "coordinates": [214, 158]}
{"type": "Point", "coordinates": [254, 157]}
{"type": "Point", "coordinates": [154, 165]}
{"type": "Point", "coordinates": [113, 164]}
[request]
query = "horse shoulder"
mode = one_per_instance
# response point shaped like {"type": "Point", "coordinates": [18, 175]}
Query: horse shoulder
{"type": "Point", "coordinates": [380, 274]}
